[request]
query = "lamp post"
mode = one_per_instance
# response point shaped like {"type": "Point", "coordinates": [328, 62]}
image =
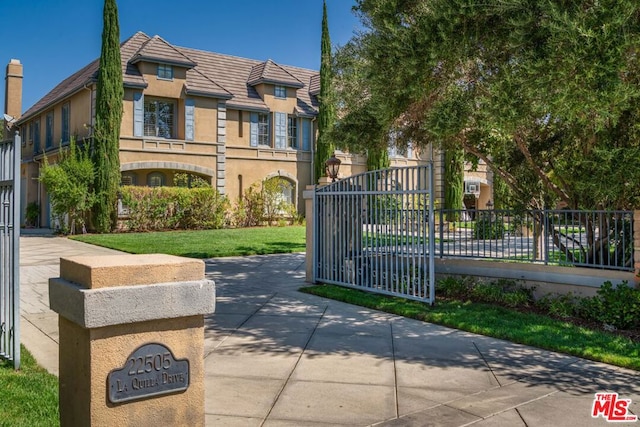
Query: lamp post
{"type": "Point", "coordinates": [490, 205]}
{"type": "Point", "coordinates": [332, 166]}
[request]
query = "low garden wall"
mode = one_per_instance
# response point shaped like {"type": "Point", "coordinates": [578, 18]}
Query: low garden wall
{"type": "Point", "coordinates": [545, 278]}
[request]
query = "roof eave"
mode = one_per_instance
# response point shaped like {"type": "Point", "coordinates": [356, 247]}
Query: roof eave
{"type": "Point", "coordinates": [146, 58]}
{"type": "Point", "coordinates": [243, 107]}
{"type": "Point", "coordinates": [132, 85]}
{"type": "Point", "coordinates": [55, 101]}
{"type": "Point", "coordinates": [275, 82]}
{"type": "Point", "coordinates": [208, 94]}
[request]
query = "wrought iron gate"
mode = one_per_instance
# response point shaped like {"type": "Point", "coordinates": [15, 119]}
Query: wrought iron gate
{"type": "Point", "coordinates": [10, 250]}
{"type": "Point", "coordinates": [375, 232]}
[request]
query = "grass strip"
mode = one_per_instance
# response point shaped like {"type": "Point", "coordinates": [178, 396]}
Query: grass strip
{"type": "Point", "coordinates": [29, 396]}
{"type": "Point", "coordinates": [499, 322]}
{"type": "Point", "coordinates": [205, 243]}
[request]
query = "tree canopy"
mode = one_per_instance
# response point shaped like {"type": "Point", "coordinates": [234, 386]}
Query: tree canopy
{"type": "Point", "coordinates": [545, 92]}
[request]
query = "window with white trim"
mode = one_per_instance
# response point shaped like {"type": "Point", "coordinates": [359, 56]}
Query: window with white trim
{"type": "Point", "coordinates": [159, 118]}
{"type": "Point", "coordinates": [281, 130]}
{"type": "Point", "coordinates": [280, 91]}
{"type": "Point", "coordinates": [165, 72]}
{"type": "Point", "coordinates": [259, 129]}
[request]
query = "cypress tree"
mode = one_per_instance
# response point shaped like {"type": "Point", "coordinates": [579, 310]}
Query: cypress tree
{"type": "Point", "coordinates": [378, 158]}
{"type": "Point", "coordinates": [453, 182]}
{"type": "Point", "coordinates": [106, 135]}
{"type": "Point", "coordinates": [326, 115]}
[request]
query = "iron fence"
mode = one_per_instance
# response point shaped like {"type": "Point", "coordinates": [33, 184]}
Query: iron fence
{"type": "Point", "coordinates": [10, 250]}
{"type": "Point", "coordinates": [596, 239]}
{"type": "Point", "coordinates": [365, 239]}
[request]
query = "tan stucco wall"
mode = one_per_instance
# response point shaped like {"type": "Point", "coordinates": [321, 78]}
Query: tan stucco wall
{"type": "Point", "coordinates": [206, 119]}
{"type": "Point", "coordinates": [280, 105]}
{"type": "Point", "coordinates": [254, 166]}
{"type": "Point", "coordinates": [161, 87]}
{"type": "Point", "coordinates": [233, 128]}
{"type": "Point", "coordinates": [97, 352]}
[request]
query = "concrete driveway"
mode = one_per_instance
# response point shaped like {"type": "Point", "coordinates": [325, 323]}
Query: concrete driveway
{"type": "Point", "coordinates": [277, 357]}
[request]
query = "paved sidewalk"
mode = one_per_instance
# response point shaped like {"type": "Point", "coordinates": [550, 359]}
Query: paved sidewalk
{"type": "Point", "coordinates": [276, 357]}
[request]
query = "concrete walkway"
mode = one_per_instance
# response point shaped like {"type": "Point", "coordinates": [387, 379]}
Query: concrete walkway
{"type": "Point", "coordinates": [277, 357]}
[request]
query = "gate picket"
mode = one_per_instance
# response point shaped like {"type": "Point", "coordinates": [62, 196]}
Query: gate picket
{"type": "Point", "coordinates": [375, 232]}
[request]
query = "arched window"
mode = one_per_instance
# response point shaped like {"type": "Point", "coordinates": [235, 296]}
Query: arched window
{"type": "Point", "coordinates": [156, 179]}
{"type": "Point", "coordinates": [279, 195]}
{"type": "Point", "coordinates": [129, 178]}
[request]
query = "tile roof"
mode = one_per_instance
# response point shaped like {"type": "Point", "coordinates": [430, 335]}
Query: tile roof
{"type": "Point", "coordinates": [314, 85]}
{"type": "Point", "coordinates": [270, 72]}
{"type": "Point", "coordinates": [209, 74]}
{"type": "Point", "coordinates": [157, 49]}
{"type": "Point", "coordinates": [89, 74]}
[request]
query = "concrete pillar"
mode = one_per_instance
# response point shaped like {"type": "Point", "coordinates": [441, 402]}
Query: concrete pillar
{"type": "Point", "coordinates": [309, 218]}
{"type": "Point", "coordinates": [636, 246]}
{"type": "Point", "coordinates": [131, 339]}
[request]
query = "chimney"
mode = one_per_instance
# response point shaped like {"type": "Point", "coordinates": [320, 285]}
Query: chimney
{"type": "Point", "coordinates": [13, 89]}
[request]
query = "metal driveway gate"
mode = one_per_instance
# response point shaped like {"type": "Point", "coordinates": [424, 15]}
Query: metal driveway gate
{"type": "Point", "coordinates": [375, 232]}
{"type": "Point", "coordinates": [10, 250]}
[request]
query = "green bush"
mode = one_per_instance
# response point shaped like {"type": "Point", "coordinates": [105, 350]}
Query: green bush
{"type": "Point", "coordinates": [174, 208]}
{"type": "Point", "coordinates": [249, 211]}
{"type": "Point", "coordinates": [32, 214]}
{"type": "Point", "coordinates": [614, 306]}
{"type": "Point", "coordinates": [69, 182]}
{"type": "Point", "coordinates": [487, 227]}
{"type": "Point", "coordinates": [559, 305]}
{"type": "Point", "coordinates": [502, 292]}
{"type": "Point", "coordinates": [487, 292]}
{"type": "Point", "coordinates": [452, 287]}
{"type": "Point", "coordinates": [264, 203]}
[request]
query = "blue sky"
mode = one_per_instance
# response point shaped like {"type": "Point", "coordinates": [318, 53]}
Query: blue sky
{"type": "Point", "coordinates": [53, 39]}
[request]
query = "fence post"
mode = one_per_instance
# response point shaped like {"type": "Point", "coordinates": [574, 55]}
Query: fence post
{"type": "Point", "coordinates": [636, 246]}
{"type": "Point", "coordinates": [309, 195]}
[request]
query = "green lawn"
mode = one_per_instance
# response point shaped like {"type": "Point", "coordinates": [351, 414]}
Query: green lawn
{"type": "Point", "coordinates": [205, 243]}
{"type": "Point", "coordinates": [28, 397]}
{"type": "Point", "coordinates": [524, 328]}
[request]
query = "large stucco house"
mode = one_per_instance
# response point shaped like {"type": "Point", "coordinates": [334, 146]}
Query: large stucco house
{"type": "Point", "coordinates": [232, 121]}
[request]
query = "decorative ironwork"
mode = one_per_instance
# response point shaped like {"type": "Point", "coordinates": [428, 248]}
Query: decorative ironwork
{"type": "Point", "coordinates": [374, 231]}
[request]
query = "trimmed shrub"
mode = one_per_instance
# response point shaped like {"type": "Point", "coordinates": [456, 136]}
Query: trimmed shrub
{"type": "Point", "coordinates": [618, 307]}
{"type": "Point", "coordinates": [174, 208]}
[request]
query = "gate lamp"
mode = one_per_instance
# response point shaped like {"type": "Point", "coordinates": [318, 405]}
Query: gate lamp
{"type": "Point", "coordinates": [332, 166]}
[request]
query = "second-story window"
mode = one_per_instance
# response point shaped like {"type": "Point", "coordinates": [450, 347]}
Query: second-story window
{"type": "Point", "coordinates": [48, 137]}
{"type": "Point", "coordinates": [65, 122]}
{"type": "Point", "coordinates": [36, 136]}
{"type": "Point", "coordinates": [159, 118]}
{"type": "Point", "coordinates": [165, 71]}
{"type": "Point", "coordinates": [280, 91]}
{"type": "Point", "coordinates": [292, 132]}
{"type": "Point", "coordinates": [259, 129]}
